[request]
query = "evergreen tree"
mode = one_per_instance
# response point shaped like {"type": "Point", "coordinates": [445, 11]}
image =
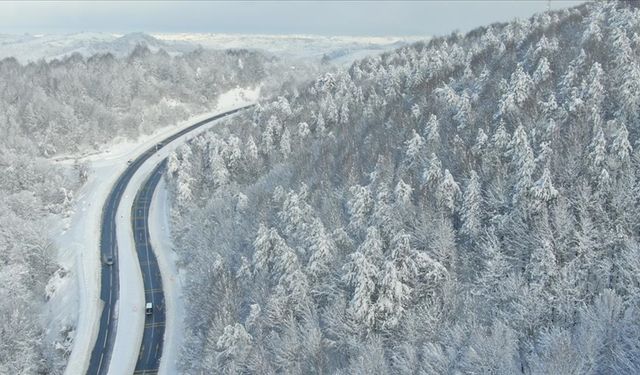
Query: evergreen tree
{"type": "Point", "coordinates": [523, 163]}
{"type": "Point", "coordinates": [322, 250]}
{"type": "Point", "coordinates": [621, 148]}
{"type": "Point", "coordinates": [360, 206]}
{"type": "Point", "coordinates": [393, 296]}
{"type": "Point", "coordinates": [543, 72]}
{"type": "Point", "coordinates": [433, 174]}
{"type": "Point", "coordinates": [448, 192]}
{"type": "Point", "coordinates": [251, 152]}
{"type": "Point", "coordinates": [362, 273]}
{"type": "Point", "coordinates": [598, 153]}
{"type": "Point", "coordinates": [472, 208]}
{"type": "Point", "coordinates": [219, 171]}
{"type": "Point", "coordinates": [432, 132]}
{"type": "Point", "coordinates": [543, 191]}
{"type": "Point", "coordinates": [234, 346]}
{"type": "Point", "coordinates": [415, 150]}
{"type": "Point", "coordinates": [285, 144]}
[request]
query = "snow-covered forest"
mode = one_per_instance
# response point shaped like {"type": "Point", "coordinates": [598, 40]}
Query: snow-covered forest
{"type": "Point", "coordinates": [31, 191]}
{"type": "Point", "coordinates": [466, 205]}
{"type": "Point", "coordinates": [74, 103]}
{"type": "Point", "coordinates": [67, 108]}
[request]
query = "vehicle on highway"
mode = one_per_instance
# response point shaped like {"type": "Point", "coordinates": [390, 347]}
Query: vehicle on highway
{"type": "Point", "coordinates": [108, 260]}
{"type": "Point", "coordinates": [148, 308]}
{"type": "Point", "coordinates": [129, 161]}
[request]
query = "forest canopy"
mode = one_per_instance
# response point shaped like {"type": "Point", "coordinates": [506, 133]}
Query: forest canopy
{"type": "Point", "coordinates": [75, 103]}
{"type": "Point", "coordinates": [466, 205]}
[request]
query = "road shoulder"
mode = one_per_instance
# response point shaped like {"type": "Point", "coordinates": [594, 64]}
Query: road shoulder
{"type": "Point", "coordinates": [159, 230]}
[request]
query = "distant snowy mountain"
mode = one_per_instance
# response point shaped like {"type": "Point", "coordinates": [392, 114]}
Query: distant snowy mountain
{"type": "Point", "coordinates": [336, 49]}
{"type": "Point", "coordinates": [126, 43]}
{"type": "Point", "coordinates": [34, 47]}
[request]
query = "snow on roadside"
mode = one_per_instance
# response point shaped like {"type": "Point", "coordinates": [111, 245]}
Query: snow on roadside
{"type": "Point", "coordinates": [159, 230]}
{"type": "Point", "coordinates": [77, 298]}
{"type": "Point", "coordinates": [236, 97]}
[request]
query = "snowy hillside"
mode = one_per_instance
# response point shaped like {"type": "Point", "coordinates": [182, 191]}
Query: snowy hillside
{"type": "Point", "coordinates": [466, 205]}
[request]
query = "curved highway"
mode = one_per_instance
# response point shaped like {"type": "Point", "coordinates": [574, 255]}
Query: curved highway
{"type": "Point", "coordinates": [153, 335]}
{"type": "Point", "coordinates": [151, 347]}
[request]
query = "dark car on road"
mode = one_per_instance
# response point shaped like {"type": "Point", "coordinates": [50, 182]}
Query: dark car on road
{"type": "Point", "coordinates": [108, 260]}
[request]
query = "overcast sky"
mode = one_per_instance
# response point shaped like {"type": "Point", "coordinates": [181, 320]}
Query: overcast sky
{"type": "Point", "coordinates": [266, 17]}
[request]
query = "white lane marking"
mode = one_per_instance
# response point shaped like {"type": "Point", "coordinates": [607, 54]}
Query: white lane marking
{"type": "Point", "coordinates": [110, 295]}
{"type": "Point", "coordinates": [100, 363]}
{"type": "Point", "coordinates": [146, 240]}
{"type": "Point", "coordinates": [104, 343]}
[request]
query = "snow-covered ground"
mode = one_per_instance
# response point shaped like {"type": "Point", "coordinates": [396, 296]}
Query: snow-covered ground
{"type": "Point", "coordinates": [76, 298]}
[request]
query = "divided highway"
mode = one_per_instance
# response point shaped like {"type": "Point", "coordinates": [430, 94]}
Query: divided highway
{"type": "Point", "coordinates": [151, 350]}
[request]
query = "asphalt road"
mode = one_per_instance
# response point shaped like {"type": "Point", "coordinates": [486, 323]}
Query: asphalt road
{"type": "Point", "coordinates": [152, 339]}
{"type": "Point", "coordinates": [101, 353]}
